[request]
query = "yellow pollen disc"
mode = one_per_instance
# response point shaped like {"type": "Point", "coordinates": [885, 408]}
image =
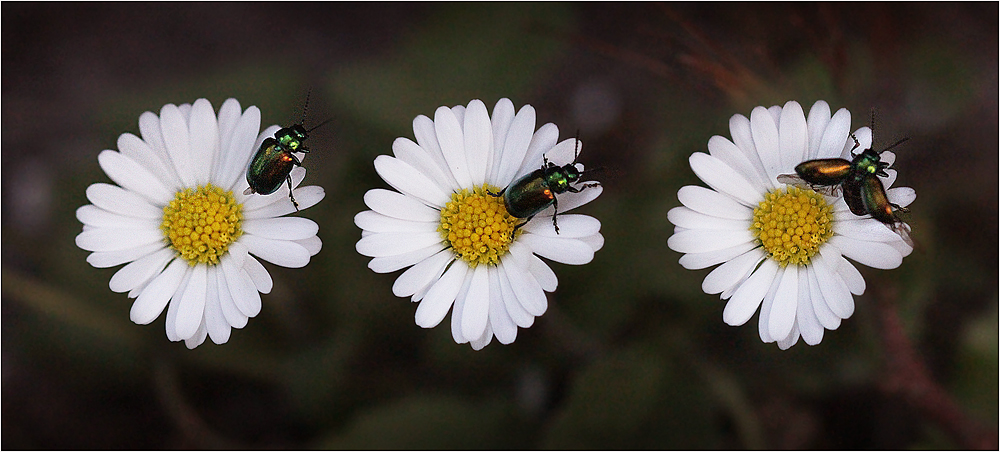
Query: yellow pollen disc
{"type": "Point", "coordinates": [791, 225]}
{"type": "Point", "coordinates": [477, 226]}
{"type": "Point", "coordinates": [200, 223]}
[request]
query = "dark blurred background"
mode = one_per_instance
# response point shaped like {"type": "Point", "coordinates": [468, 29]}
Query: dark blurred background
{"type": "Point", "coordinates": [631, 353]}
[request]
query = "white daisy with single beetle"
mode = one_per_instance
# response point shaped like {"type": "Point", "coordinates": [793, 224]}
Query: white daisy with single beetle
{"type": "Point", "coordinates": [783, 249]}
{"type": "Point", "coordinates": [449, 223]}
{"type": "Point", "coordinates": [180, 221]}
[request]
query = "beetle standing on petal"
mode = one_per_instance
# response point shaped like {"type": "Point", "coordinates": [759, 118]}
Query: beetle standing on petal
{"type": "Point", "coordinates": [859, 181]}
{"type": "Point", "coordinates": [532, 193]}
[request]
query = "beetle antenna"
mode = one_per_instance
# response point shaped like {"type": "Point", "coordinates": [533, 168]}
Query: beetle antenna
{"type": "Point", "coordinates": [894, 145]}
{"type": "Point", "coordinates": [576, 145]}
{"type": "Point", "coordinates": [305, 107]}
{"type": "Point", "coordinates": [320, 125]}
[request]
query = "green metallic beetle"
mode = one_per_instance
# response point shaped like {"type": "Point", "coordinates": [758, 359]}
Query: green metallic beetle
{"type": "Point", "coordinates": [859, 181]}
{"type": "Point", "coordinates": [535, 191]}
{"type": "Point", "coordinates": [274, 161]}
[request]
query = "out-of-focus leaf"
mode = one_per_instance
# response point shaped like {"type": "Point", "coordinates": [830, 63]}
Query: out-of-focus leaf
{"type": "Point", "coordinates": [465, 51]}
{"type": "Point", "coordinates": [629, 400]}
{"type": "Point", "coordinates": [427, 422]}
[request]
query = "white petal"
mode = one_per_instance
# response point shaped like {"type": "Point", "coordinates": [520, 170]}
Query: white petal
{"type": "Point", "coordinates": [284, 228]}
{"type": "Point", "coordinates": [171, 320]}
{"type": "Point", "coordinates": [723, 149]}
{"type": "Point", "coordinates": [239, 149]}
{"type": "Point", "coordinates": [873, 254]}
{"type": "Point", "coordinates": [203, 129]}
{"type": "Point", "coordinates": [176, 137]}
{"type": "Point", "coordinates": [864, 136]}
{"type": "Point", "coordinates": [785, 303]}
{"type": "Point", "coordinates": [422, 274]}
{"type": "Point", "coordinates": [154, 297]}
{"type": "Point", "coordinates": [728, 274]}
{"type": "Point", "coordinates": [114, 239]}
{"type": "Point", "coordinates": [766, 140]}
{"type": "Point", "coordinates": [698, 261]}
{"type": "Point", "coordinates": [441, 296]}
{"type": "Point", "coordinates": [747, 298]}
{"type": "Point", "coordinates": [215, 324]}
{"type": "Point", "coordinates": [232, 313]}
{"type": "Point", "coordinates": [852, 277]}
{"type": "Point", "coordinates": [564, 250]}
{"type": "Point", "coordinates": [370, 220]}
{"type": "Point", "coordinates": [790, 340]}
{"type": "Point", "coordinates": [701, 240]}
{"type": "Point", "coordinates": [191, 311]}
{"type": "Point", "coordinates": [739, 128]}
{"type": "Point", "coordinates": [388, 264]}
{"type": "Point", "coordinates": [258, 274]}
{"type": "Point", "coordinates": [478, 134]}
{"type": "Point", "coordinates": [526, 288]}
{"type": "Point", "coordinates": [105, 259]}
{"type": "Point", "coordinates": [313, 244]}
{"type": "Point", "coordinates": [865, 230]}
{"type": "Point", "coordinates": [501, 322]}
{"type": "Point", "coordinates": [713, 203]}
{"type": "Point", "coordinates": [92, 215]}
{"type": "Point", "coordinates": [456, 312]}
{"type": "Point", "coordinates": [570, 226]}
{"type": "Point", "coordinates": [687, 218]}
{"type": "Point", "coordinates": [307, 197]}
{"type": "Point", "coordinates": [452, 141]}
{"type": "Point", "coordinates": [397, 205]}
{"type": "Point", "coordinates": [724, 179]}
{"type": "Point", "coordinates": [901, 196]}
{"type": "Point", "coordinates": [792, 131]}
{"type": "Point", "coordinates": [515, 145]}
{"type": "Point", "coordinates": [114, 199]}
{"type": "Point", "coordinates": [763, 320]}
{"type": "Point", "coordinates": [835, 136]}
{"type": "Point", "coordinates": [484, 340]}
{"type": "Point", "coordinates": [476, 311]}
{"type": "Point", "coordinates": [424, 162]}
{"type": "Point", "coordinates": [408, 180]}
{"type": "Point", "coordinates": [808, 324]}
{"type": "Point", "coordinates": [819, 117]}
{"type": "Point", "coordinates": [138, 272]}
{"type": "Point", "coordinates": [541, 142]}
{"type": "Point", "coordinates": [241, 288]}
{"type": "Point", "coordinates": [155, 162]}
{"type": "Point", "coordinates": [820, 307]}
{"type": "Point", "coordinates": [395, 243]}
{"type": "Point", "coordinates": [518, 314]}
{"type": "Point", "coordinates": [835, 292]}
{"type": "Point", "coordinates": [132, 176]}
{"type": "Point", "coordinates": [543, 273]}
{"type": "Point", "coordinates": [279, 252]}
{"type": "Point", "coordinates": [199, 337]}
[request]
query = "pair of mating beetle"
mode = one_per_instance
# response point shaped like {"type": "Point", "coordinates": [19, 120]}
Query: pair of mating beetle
{"type": "Point", "coordinates": [534, 192]}
{"type": "Point", "coordinates": [523, 198]}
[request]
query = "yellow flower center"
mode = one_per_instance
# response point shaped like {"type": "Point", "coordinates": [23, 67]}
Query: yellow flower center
{"type": "Point", "coordinates": [791, 224]}
{"type": "Point", "coordinates": [201, 223]}
{"type": "Point", "coordinates": [477, 226]}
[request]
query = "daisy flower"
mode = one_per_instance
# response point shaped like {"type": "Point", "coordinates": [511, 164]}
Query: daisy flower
{"type": "Point", "coordinates": [783, 249]}
{"type": "Point", "coordinates": [179, 219]}
{"type": "Point", "coordinates": [466, 253]}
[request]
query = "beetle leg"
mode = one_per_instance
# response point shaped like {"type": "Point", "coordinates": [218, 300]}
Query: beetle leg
{"type": "Point", "coordinates": [290, 196]}
{"type": "Point", "coordinates": [555, 207]}
{"type": "Point", "coordinates": [496, 195]}
{"type": "Point", "coordinates": [857, 144]}
{"type": "Point", "coordinates": [583, 187]}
